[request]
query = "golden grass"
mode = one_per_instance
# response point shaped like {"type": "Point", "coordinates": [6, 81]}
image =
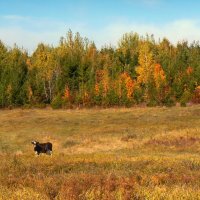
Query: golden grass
{"type": "Point", "coordinates": [135, 153]}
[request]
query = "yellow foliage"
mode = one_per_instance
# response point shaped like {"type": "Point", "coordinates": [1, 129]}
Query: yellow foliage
{"type": "Point", "coordinates": [30, 92]}
{"type": "Point", "coordinates": [29, 64]}
{"type": "Point", "coordinates": [146, 65]}
{"type": "Point", "coordinates": [140, 71]}
{"type": "Point", "coordinates": [9, 89]}
{"type": "Point", "coordinates": [86, 97]}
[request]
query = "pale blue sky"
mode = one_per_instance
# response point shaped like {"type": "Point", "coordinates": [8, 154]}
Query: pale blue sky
{"type": "Point", "coordinates": [28, 22]}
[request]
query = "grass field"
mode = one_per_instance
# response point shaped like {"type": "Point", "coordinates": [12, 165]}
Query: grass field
{"type": "Point", "coordinates": [136, 153]}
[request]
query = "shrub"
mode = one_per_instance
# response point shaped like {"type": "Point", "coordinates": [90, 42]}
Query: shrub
{"type": "Point", "coordinates": [138, 95]}
{"type": "Point", "coordinates": [112, 98]}
{"type": "Point", "coordinates": [196, 97]}
{"type": "Point", "coordinates": [152, 103]}
{"type": "Point", "coordinates": [57, 102]}
{"type": "Point", "coordinates": [185, 98]}
{"type": "Point", "coordinates": [97, 100]}
{"type": "Point", "coordinates": [169, 102]}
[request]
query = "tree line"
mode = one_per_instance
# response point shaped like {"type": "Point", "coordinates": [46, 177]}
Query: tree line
{"type": "Point", "coordinates": [76, 73]}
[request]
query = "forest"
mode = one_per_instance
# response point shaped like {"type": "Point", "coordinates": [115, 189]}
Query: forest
{"type": "Point", "coordinates": [75, 73]}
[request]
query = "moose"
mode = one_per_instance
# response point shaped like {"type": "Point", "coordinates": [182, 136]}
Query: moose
{"type": "Point", "coordinates": [42, 148]}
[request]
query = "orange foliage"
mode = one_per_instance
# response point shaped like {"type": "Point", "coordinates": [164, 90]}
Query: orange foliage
{"type": "Point", "coordinates": [105, 87]}
{"type": "Point", "coordinates": [99, 75]}
{"type": "Point", "coordinates": [67, 93]}
{"type": "Point", "coordinates": [189, 70]}
{"type": "Point", "coordinates": [196, 97]}
{"type": "Point", "coordinates": [159, 75]}
{"type": "Point", "coordinates": [96, 89]}
{"type": "Point", "coordinates": [129, 83]}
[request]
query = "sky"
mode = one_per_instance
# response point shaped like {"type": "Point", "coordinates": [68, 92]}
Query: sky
{"type": "Point", "coordinates": [30, 22]}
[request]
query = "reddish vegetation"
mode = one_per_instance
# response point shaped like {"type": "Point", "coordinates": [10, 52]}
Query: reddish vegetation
{"type": "Point", "coordinates": [196, 97]}
{"type": "Point", "coordinates": [180, 141]}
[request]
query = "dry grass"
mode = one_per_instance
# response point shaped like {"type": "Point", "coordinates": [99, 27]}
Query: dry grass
{"type": "Point", "coordinates": [136, 153]}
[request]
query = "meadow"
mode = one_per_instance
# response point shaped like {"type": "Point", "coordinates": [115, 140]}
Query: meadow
{"type": "Point", "coordinates": [118, 153]}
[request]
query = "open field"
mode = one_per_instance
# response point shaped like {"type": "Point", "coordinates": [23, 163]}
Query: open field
{"type": "Point", "coordinates": [136, 153]}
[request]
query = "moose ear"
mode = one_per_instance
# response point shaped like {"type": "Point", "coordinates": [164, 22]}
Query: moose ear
{"type": "Point", "coordinates": [34, 142]}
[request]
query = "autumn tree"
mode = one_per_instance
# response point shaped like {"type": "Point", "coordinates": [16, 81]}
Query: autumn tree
{"type": "Point", "coordinates": [145, 71]}
{"type": "Point", "coordinates": [44, 60]}
{"type": "Point", "coordinates": [77, 73]}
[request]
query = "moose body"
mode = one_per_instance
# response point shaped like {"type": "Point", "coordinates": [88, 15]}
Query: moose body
{"type": "Point", "coordinates": [42, 148]}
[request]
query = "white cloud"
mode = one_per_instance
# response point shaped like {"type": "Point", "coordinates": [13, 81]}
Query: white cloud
{"type": "Point", "coordinates": [27, 39]}
{"type": "Point", "coordinates": [29, 32]}
{"type": "Point", "coordinates": [14, 17]}
{"type": "Point", "coordinates": [175, 31]}
{"type": "Point", "coordinates": [35, 31]}
{"type": "Point", "coordinates": [182, 30]}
